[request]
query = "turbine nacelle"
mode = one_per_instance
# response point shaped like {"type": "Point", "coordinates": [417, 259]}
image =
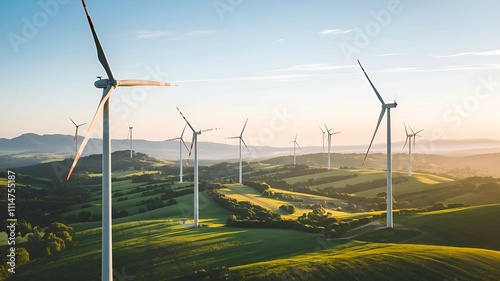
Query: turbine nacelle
{"type": "Point", "coordinates": [103, 83]}
{"type": "Point", "coordinates": [390, 105]}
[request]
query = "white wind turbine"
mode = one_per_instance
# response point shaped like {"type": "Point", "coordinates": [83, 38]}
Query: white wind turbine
{"type": "Point", "coordinates": [241, 141]}
{"type": "Point", "coordinates": [129, 138]}
{"type": "Point", "coordinates": [194, 143]}
{"type": "Point", "coordinates": [108, 85]}
{"type": "Point", "coordinates": [408, 137]}
{"type": "Point", "coordinates": [385, 106]}
{"type": "Point", "coordinates": [295, 143]}
{"type": "Point", "coordinates": [76, 133]}
{"type": "Point", "coordinates": [323, 138]}
{"type": "Point", "coordinates": [329, 143]}
{"type": "Point", "coordinates": [181, 142]}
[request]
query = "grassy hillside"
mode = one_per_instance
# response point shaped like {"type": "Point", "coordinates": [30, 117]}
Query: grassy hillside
{"type": "Point", "coordinates": [373, 261]}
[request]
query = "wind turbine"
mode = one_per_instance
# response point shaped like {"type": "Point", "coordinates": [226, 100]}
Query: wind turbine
{"type": "Point", "coordinates": [108, 85]}
{"type": "Point", "coordinates": [76, 133]}
{"type": "Point", "coordinates": [241, 141]}
{"type": "Point", "coordinates": [194, 143]}
{"type": "Point", "coordinates": [181, 142]}
{"type": "Point", "coordinates": [295, 143]}
{"type": "Point", "coordinates": [385, 106]}
{"type": "Point", "coordinates": [329, 143]}
{"type": "Point", "coordinates": [129, 138]}
{"type": "Point", "coordinates": [323, 138]}
{"type": "Point", "coordinates": [408, 137]}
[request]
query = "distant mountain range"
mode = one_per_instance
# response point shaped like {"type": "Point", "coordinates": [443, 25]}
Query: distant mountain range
{"type": "Point", "coordinates": [63, 146]}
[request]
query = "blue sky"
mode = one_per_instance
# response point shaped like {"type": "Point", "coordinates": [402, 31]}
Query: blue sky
{"type": "Point", "coordinates": [288, 66]}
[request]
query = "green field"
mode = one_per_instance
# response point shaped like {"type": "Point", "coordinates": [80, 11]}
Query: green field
{"type": "Point", "coordinates": [160, 244]}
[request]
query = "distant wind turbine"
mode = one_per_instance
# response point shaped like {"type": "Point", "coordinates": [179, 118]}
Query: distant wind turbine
{"type": "Point", "coordinates": [76, 134]}
{"type": "Point", "coordinates": [181, 142]}
{"type": "Point", "coordinates": [408, 138]}
{"type": "Point", "coordinates": [329, 143]}
{"type": "Point", "coordinates": [323, 138]}
{"type": "Point", "coordinates": [295, 143]}
{"type": "Point", "coordinates": [240, 137]}
{"type": "Point", "coordinates": [108, 85]}
{"type": "Point", "coordinates": [194, 143]}
{"type": "Point", "coordinates": [129, 138]}
{"type": "Point", "coordinates": [385, 106]}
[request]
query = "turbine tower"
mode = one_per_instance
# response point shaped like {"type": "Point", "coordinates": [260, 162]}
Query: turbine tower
{"type": "Point", "coordinates": [408, 138]}
{"type": "Point", "coordinates": [295, 143]}
{"type": "Point", "coordinates": [108, 85]}
{"type": "Point", "coordinates": [129, 138]}
{"type": "Point", "coordinates": [194, 143]}
{"type": "Point", "coordinates": [329, 143]}
{"type": "Point", "coordinates": [241, 141]}
{"type": "Point", "coordinates": [76, 134]}
{"type": "Point", "coordinates": [385, 106]}
{"type": "Point", "coordinates": [323, 138]}
{"type": "Point", "coordinates": [181, 142]}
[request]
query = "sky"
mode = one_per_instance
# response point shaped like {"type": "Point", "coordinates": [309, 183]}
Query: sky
{"type": "Point", "coordinates": [287, 66]}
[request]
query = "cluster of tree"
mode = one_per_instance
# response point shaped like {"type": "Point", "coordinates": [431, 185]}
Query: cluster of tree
{"type": "Point", "coordinates": [44, 205]}
{"type": "Point", "coordinates": [244, 209]}
{"type": "Point", "coordinates": [169, 194]}
{"type": "Point", "coordinates": [154, 203]}
{"type": "Point", "coordinates": [282, 196]}
{"type": "Point", "coordinates": [288, 208]}
{"type": "Point", "coordinates": [258, 185]}
{"type": "Point", "coordinates": [246, 214]}
{"type": "Point", "coordinates": [319, 181]}
{"type": "Point", "coordinates": [320, 221]}
{"type": "Point", "coordinates": [362, 186]}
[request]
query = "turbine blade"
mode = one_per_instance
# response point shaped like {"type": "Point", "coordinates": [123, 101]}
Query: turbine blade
{"type": "Point", "coordinates": [190, 151]}
{"type": "Point", "coordinates": [373, 87]}
{"type": "Point", "coordinates": [242, 140]}
{"type": "Point", "coordinates": [185, 145]}
{"type": "Point", "coordinates": [328, 130]}
{"type": "Point", "coordinates": [405, 129]}
{"type": "Point", "coordinates": [182, 134]}
{"type": "Point", "coordinates": [406, 141]}
{"type": "Point", "coordinates": [97, 115]}
{"type": "Point", "coordinates": [411, 130]}
{"type": "Point", "coordinates": [295, 140]}
{"type": "Point", "coordinates": [232, 137]}
{"type": "Point", "coordinates": [82, 124]}
{"type": "Point", "coordinates": [173, 139]}
{"type": "Point", "coordinates": [298, 145]}
{"type": "Point", "coordinates": [187, 122]}
{"type": "Point", "coordinates": [208, 130]}
{"type": "Point", "coordinates": [243, 128]}
{"type": "Point", "coordinates": [375, 133]}
{"type": "Point", "coordinates": [100, 52]}
{"type": "Point", "coordinates": [130, 83]}
{"type": "Point", "coordinates": [418, 132]}
{"type": "Point", "coordinates": [336, 133]}
{"type": "Point", "coordinates": [322, 130]}
{"type": "Point", "coordinates": [72, 121]}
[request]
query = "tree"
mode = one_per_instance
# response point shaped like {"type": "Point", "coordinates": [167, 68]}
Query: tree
{"type": "Point", "coordinates": [24, 228]}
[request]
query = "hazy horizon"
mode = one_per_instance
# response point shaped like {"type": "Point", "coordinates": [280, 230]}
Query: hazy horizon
{"type": "Point", "coordinates": [287, 66]}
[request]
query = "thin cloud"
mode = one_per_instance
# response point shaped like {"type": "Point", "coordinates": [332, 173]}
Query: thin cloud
{"type": "Point", "coordinates": [277, 41]}
{"type": "Point", "coordinates": [484, 53]}
{"type": "Point", "coordinates": [150, 34]}
{"type": "Point", "coordinates": [199, 32]}
{"type": "Point", "coordinates": [314, 67]}
{"type": "Point", "coordinates": [334, 31]}
{"type": "Point", "coordinates": [390, 54]}
{"type": "Point", "coordinates": [456, 67]}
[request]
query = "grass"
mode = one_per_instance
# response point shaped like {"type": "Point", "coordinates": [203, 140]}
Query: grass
{"type": "Point", "coordinates": [466, 227]}
{"type": "Point", "coordinates": [246, 193]}
{"type": "Point", "coordinates": [374, 261]}
{"type": "Point", "coordinates": [162, 250]}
